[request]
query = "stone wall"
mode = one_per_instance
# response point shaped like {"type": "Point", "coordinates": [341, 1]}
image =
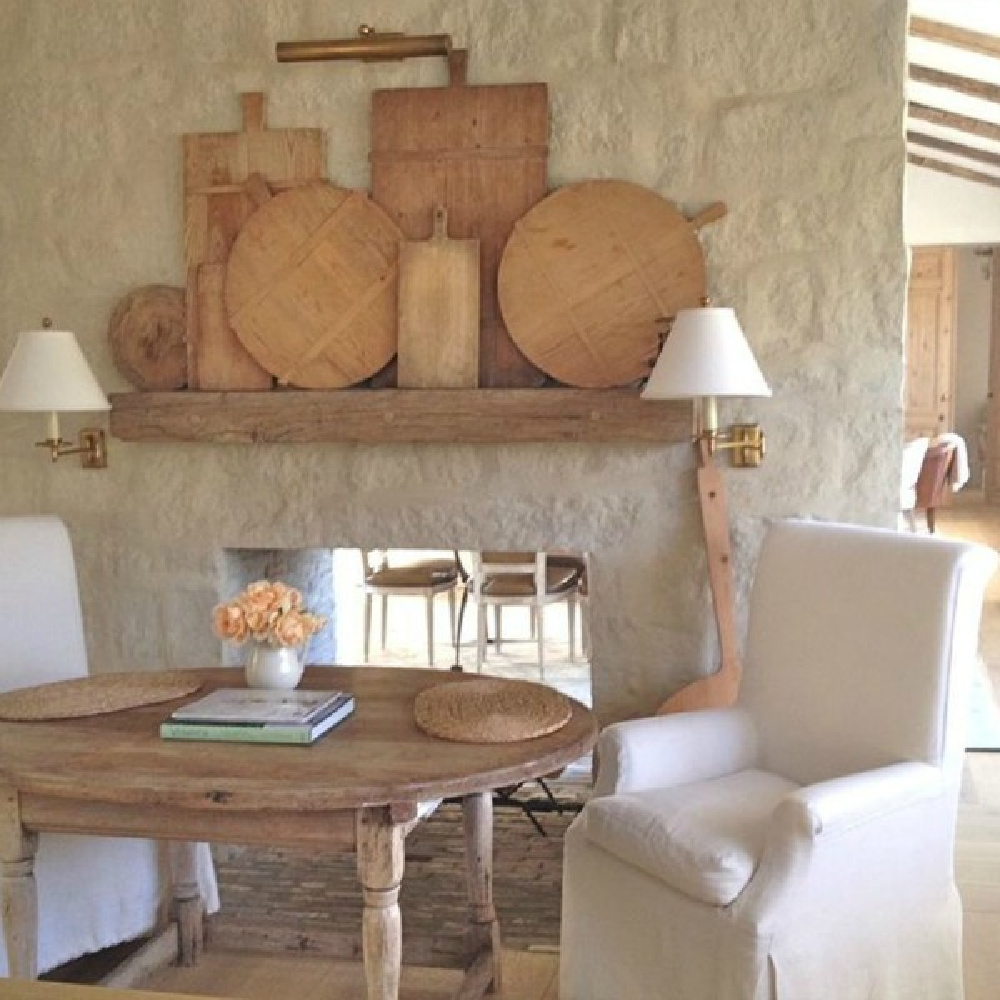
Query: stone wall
{"type": "Point", "coordinates": [788, 111]}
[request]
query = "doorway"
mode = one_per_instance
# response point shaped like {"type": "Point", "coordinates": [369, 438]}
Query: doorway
{"type": "Point", "coordinates": [953, 305]}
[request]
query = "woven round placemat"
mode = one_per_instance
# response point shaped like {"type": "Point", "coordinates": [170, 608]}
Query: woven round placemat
{"type": "Point", "coordinates": [94, 695]}
{"type": "Point", "coordinates": [491, 711]}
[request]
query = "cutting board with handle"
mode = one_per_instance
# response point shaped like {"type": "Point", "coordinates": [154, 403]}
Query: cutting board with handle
{"type": "Point", "coordinates": [482, 152]}
{"type": "Point", "coordinates": [439, 311]}
{"type": "Point", "coordinates": [216, 205]}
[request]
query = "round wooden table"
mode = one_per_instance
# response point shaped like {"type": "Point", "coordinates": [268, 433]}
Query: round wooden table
{"type": "Point", "coordinates": [360, 788]}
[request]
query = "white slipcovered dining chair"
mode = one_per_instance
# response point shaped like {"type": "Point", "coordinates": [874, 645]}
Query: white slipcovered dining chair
{"type": "Point", "coordinates": [93, 892]}
{"type": "Point", "coordinates": [798, 846]}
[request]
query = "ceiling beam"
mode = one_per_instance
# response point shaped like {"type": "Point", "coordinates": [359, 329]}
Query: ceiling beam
{"type": "Point", "coordinates": [952, 81]}
{"type": "Point", "coordinates": [952, 119]}
{"type": "Point", "coordinates": [950, 168]}
{"type": "Point", "coordinates": [950, 34]}
{"type": "Point", "coordinates": [955, 148]}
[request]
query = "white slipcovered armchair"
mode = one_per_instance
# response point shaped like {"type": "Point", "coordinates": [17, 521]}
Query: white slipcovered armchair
{"type": "Point", "coordinates": [93, 892]}
{"type": "Point", "coordinates": [800, 845]}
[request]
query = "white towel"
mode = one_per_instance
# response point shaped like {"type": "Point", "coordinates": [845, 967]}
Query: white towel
{"type": "Point", "coordinates": [960, 463]}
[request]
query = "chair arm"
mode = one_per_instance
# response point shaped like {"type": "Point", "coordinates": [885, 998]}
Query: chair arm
{"type": "Point", "coordinates": [818, 830]}
{"type": "Point", "coordinates": [843, 803]}
{"type": "Point", "coordinates": [673, 749]}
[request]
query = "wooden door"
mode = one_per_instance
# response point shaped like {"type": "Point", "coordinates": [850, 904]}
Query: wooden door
{"type": "Point", "coordinates": [930, 342]}
{"type": "Point", "coordinates": [991, 460]}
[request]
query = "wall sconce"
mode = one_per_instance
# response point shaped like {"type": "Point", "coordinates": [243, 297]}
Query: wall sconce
{"type": "Point", "coordinates": [48, 373]}
{"type": "Point", "coordinates": [706, 356]}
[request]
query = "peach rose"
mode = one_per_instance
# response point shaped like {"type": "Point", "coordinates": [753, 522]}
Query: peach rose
{"type": "Point", "coordinates": [313, 622]}
{"type": "Point", "coordinates": [229, 622]}
{"type": "Point", "coordinates": [290, 629]}
{"type": "Point", "coordinates": [258, 597]}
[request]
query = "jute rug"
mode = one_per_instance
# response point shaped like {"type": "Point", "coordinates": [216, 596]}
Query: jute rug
{"type": "Point", "coordinates": [275, 899]}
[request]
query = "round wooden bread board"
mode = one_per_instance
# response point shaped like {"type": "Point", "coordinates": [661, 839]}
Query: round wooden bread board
{"type": "Point", "coordinates": [311, 286]}
{"type": "Point", "coordinates": [147, 335]}
{"type": "Point", "coordinates": [83, 696]}
{"type": "Point", "coordinates": [589, 275]}
{"type": "Point", "coordinates": [488, 710]}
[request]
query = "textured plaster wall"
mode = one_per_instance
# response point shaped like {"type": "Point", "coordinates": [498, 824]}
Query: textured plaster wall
{"type": "Point", "coordinates": [788, 110]}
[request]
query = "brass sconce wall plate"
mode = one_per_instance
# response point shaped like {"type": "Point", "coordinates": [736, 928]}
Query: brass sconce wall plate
{"type": "Point", "coordinates": [747, 442]}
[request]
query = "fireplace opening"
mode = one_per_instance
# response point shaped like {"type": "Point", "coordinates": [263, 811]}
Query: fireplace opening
{"type": "Point", "coordinates": [402, 631]}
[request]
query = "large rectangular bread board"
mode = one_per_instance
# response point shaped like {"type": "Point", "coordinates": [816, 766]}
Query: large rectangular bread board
{"type": "Point", "coordinates": [482, 152]}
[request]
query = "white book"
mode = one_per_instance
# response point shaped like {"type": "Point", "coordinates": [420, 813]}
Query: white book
{"type": "Point", "coordinates": [262, 705]}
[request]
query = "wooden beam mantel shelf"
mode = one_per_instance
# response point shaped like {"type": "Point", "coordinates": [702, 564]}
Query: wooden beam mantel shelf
{"type": "Point", "coordinates": [387, 416]}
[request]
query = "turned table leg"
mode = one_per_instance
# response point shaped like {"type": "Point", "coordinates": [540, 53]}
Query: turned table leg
{"type": "Point", "coordinates": [18, 890]}
{"type": "Point", "coordinates": [483, 975]}
{"type": "Point", "coordinates": [381, 856]}
{"type": "Point", "coordinates": [188, 906]}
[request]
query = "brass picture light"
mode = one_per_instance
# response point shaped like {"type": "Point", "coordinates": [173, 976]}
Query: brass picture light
{"type": "Point", "coordinates": [369, 46]}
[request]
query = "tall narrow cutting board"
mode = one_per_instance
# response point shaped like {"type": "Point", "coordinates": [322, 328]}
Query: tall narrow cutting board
{"type": "Point", "coordinates": [216, 204]}
{"type": "Point", "coordinates": [482, 152]}
{"type": "Point", "coordinates": [439, 311]}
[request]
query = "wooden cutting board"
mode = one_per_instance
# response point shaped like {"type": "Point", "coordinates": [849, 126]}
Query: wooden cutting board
{"type": "Point", "coordinates": [439, 311]}
{"type": "Point", "coordinates": [311, 286]}
{"type": "Point", "coordinates": [591, 274]}
{"type": "Point", "coordinates": [216, 204]}
{"type": "Point", "coordinates": [482, 152]}
{"type": "Point", "coordinates": [146, 334]}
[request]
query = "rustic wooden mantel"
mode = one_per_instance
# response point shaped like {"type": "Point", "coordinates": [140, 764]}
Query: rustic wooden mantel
{"type": "Point", "coordinates": [386, 416]}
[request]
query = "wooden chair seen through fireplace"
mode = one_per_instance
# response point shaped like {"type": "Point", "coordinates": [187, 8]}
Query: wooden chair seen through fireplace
{"type": "Point", "coordinates": [524, 579]}
{"type": "Point", "coordinates": [426, 578]}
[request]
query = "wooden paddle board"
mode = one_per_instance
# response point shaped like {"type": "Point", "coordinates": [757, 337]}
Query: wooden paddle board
{"type": "Point", "coordinates": [216, 204]}
{"type": "Point", "coordinates": [439, 311]}
{"type": "Point", "coordinates": [311, 286]}
{"type": "Point", "coordinates": [590, 276]}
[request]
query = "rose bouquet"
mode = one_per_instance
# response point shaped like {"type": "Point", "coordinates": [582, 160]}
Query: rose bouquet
{"type": "Point", "coordinates": [269, 613]}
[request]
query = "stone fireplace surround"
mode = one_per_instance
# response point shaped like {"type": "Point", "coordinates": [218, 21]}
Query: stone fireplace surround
{"type": "Point", "coordinates": [633, 507]}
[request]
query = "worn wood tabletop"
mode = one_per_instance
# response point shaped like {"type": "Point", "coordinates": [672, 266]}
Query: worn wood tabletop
{"type": "Point", "coordinates": [376, 757]}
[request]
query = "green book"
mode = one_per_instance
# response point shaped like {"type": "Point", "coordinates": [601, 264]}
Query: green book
{"type": "Point", "coordinates": [306, 732]}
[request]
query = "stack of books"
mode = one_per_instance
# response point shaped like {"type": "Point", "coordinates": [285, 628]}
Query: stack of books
{"type": "Point", "coordinates": [252, 715]}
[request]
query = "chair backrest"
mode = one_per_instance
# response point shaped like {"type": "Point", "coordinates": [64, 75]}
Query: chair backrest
{"type": "Point", "coordinates": [41, 625]}
{"type": "Point", "coordinates": [913, 459]}
{"type": "Point", "coordinates": [859, 648]}
{"type": "Point", "coordinates": [932, 483]}
{"type": "Point", "coordinates": [506, 564]}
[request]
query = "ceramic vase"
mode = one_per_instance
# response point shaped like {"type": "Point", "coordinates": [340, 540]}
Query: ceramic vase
{"type": "Point", "coordinates": [270, 666]}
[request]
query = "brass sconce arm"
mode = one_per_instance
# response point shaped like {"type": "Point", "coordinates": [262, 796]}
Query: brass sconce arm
{"type": "Point", "coordinates": [92, 448]}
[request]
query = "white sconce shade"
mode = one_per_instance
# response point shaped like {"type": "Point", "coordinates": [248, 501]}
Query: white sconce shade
{"type": "Point", "coordinates": [706, 354]}
{"type": "Point", "coordinates": [48, 372]}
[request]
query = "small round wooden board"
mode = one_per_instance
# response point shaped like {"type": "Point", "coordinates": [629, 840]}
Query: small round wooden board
{"type": "Point", "coordinates": [311, 286]}
{"type": "Point", "coordinates": [84, 696]}
{"type": "Point", "coordinates": [491, 710]}
{"type": "Point", "coordinates": [147, 337]}
{"type": "Point", "coordinates": [590, 275]}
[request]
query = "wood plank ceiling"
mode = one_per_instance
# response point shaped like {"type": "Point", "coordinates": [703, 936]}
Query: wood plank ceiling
{"type": "Point", "coordinates": [953, 100]}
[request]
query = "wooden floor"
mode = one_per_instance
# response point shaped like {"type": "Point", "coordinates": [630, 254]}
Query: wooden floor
{"type": "Point", "coordinates": [534, 975]}
{"type": "Point", "coordinates": [528, 976]}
